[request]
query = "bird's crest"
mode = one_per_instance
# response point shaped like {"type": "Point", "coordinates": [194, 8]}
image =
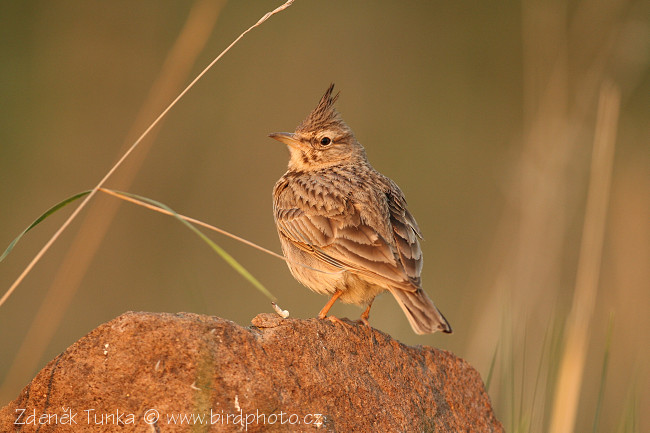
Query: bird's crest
{"type": "Point", "coordinates": [324, 116]}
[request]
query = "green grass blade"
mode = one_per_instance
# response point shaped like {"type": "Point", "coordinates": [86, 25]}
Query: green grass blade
{"type": "Point", "coordinates": [224, 255]}
{"type": "Point", "coordinates": [49, 212]}
{"type": "Point", "coordinates": [629, 416]}
{"type": "Point", "coordinates": [603, 373]}
{"type": "Point", "coordinates": [552, 367]}
{"type": "Point", "coordinates": [488, 381]}
{"type": "Point", "coordinates": [520, 422]}
{"type": "Point", "coordinates": [539, 374]}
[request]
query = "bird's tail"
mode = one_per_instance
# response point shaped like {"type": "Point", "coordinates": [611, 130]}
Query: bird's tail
{"type": "Point", "coordinates": [423, 315]}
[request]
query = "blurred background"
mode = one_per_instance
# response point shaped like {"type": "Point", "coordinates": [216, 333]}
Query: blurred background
{"type": "Point", "coordinates": [484, 113]}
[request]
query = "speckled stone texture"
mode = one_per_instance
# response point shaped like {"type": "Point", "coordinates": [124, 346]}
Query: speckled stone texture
{"type": "Point", "coordinates": [146, 372]}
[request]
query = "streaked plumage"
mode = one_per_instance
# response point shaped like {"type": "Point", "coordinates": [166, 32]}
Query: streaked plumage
{"type": "Point", "coordinates": [336, 214]}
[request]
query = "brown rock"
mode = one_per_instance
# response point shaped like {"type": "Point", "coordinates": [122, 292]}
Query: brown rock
{"type": "Point", "coordinates": [280, 375]}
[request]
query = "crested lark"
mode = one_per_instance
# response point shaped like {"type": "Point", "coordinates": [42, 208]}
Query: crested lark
{"type": "Point", "coordinates": [344, 227]}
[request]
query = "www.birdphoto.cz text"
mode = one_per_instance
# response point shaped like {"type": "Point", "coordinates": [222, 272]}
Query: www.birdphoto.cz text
{"type": "Point", "coordinates": [152, 416]}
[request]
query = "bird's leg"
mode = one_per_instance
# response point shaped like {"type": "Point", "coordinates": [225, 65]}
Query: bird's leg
{"type": "Point", "coordinates": [366, 315]}
{"type": "Point", "coordinates": [326, 308]}
{"type": "Point", "coordinates": [323, 313]}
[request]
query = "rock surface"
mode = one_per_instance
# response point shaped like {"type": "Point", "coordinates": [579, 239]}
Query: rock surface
{"type": "Point", "coordinates": [146, 372]}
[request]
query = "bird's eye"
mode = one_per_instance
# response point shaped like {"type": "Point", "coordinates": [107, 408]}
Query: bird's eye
{"type": "Point", "coordinates": [325, 141]}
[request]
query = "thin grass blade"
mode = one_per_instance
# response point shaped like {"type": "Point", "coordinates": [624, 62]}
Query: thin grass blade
{"type": "Point", "coordinates": [38, 220]}
{"type": "Point", "coordinates": [224, 255]}
{"type": "Point", "coordinates": [545, 350]}
{"type": "Point", "coordinates": [491, 370]}
{"type": "Point", "coordinates": [135, 144]}
{"type": "Point", "coordinates": [603, 373]}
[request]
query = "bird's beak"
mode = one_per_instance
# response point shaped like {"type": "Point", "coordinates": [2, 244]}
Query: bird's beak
{"type": "Point", "coordinates": [287, 138]}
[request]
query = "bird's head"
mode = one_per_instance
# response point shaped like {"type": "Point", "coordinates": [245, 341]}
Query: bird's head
{"type": "Point", "coordinates": [322, 139]}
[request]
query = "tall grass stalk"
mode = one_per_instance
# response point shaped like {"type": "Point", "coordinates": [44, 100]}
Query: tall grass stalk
{"type": "Point", "coordinates": [177, 65]}
{"type": "Point", "coordinates": [146, 132]}
{"type": "Point", "coordinates": [572, 364]}
{"type": "Point", "coordinates": [521, 425]}
{"type": "Point", "coordinates": [224, 255]}
{"type": "Point", "coordinates": [603, 373]}
{"type": "Point", "coordinates": [493, 362]}
{"type": "Point", "coordinates": [540, 365]}
{"type": "Point", "coordinates": [628, 422]}
{"type": "Point", "coordinates": [100, 213]}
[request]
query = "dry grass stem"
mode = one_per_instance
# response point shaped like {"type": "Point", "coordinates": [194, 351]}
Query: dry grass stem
{"type": "Point", "coordinates": [572, 364]}
{"type": "Point", "coordinates": [209, 226]}
{"type": "Point", "coordinates": [193, 221]}
{"type": "Point", "coordinates": [178, 64]}
{"type": "Point", "coordinates": [94, 226]}
{"type": "Point", "coordinates": [101, 183]}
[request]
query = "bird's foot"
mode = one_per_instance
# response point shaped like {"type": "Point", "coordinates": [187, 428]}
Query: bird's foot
{"type": "Point", "coordinates": [347, 323]}
{"type": "Point", "coordinates": [363, 321]}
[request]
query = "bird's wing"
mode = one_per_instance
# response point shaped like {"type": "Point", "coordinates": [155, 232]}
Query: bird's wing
{"type": "Point", "coordinates": [384, 248]}
{"type": "Point", "coordinates": [407, 236]}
